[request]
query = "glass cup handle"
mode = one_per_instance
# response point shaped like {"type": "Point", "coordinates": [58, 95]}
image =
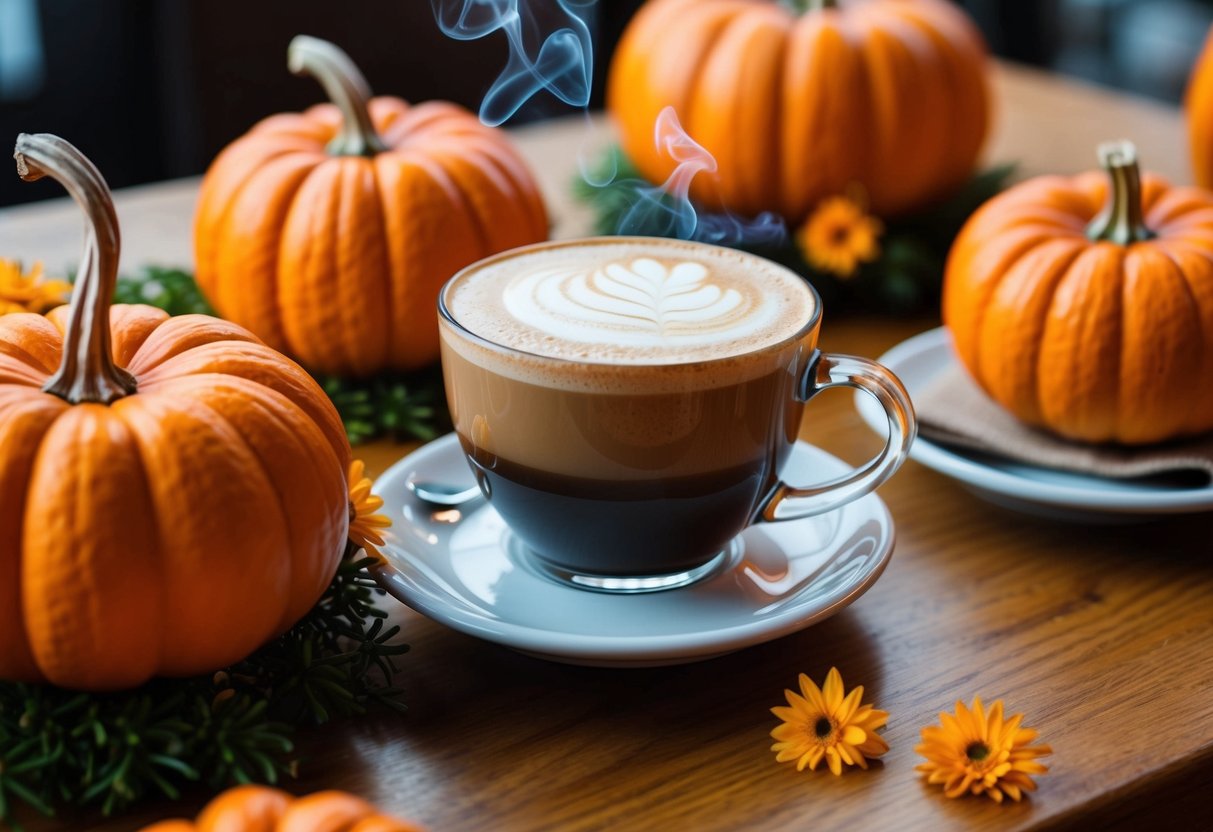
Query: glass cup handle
{"type": "Point", "coordinates": [824, 371]}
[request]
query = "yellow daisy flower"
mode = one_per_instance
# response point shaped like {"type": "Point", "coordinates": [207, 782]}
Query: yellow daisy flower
{"type": "Point", "coordinates": [29, 291]}
{"type": "Point", "coordinates": [975, 752]}
{"type": "Point", "coordinates": [821, 722]}
{"type": "Point", "coordinates": [364, 522]}
{"type": "Point", "coordinates": [839, 235]}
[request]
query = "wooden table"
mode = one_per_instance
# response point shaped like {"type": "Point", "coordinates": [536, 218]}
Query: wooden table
{"type": "Point", "coordinates": [1102, 635]}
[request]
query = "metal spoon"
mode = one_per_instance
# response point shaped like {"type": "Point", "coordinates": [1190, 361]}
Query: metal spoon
{"type": "Point", "coordinates": [443, 495]}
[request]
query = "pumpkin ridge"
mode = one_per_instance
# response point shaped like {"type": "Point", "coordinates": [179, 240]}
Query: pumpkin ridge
{"type": "Point", "coordinates": [1194, 317]}
{"type": "Point", "coordinates": [19, 373]}
{"type": "Point", "coordinates": [987, 297]}
{"type": "Point", "coordinates": [1205, 337]}
{"type": "Point", "coordinates": [287, 563]}
{"type": "Point", "coordinates": [102, 590]}
{"type": "Point", "coordinates": [307, 219]}
{"type": "Point", "coordinates": [454, 180]}
{"type": "Point", "coordinates": [514, 173]}
{"type": "Point", "coordinates": [17, 659]}
{"type": "Point", "coordinates": [892, 64]}
{"type": "Point", "coordinates": [157, 535]}
{"type": "Point", "coordinates": [227, 296]}
{"type": "Point", "coordinates": [208, 236]}
{"type": "Point", "coordinates": [287, 615]}
{"type": "Point", "coordinates": [47, 335]}
{"type": "Point", "coordinates": [950, 166]}
{"type": "Point", "coordinates": [231, 553]}
{"type": "Point", "coordinates": [701, 122]}
{"type": "Point", "coordinates": [304, 393]}
{"type": "Point", "coordinates": [1043, 357]}
{"type": "Point", "coordinates": [912, 39]}
{"type": "Point", "coordinates": [1058, 268]}
{"type": "Point", "coordinates": [1205, 256]}
{"type": "Point", "coordinates": [388, 302]}
{"type": "Point", "coordinates": [321, 456]}
{"type": "Point", "coordinates": [360, 307]}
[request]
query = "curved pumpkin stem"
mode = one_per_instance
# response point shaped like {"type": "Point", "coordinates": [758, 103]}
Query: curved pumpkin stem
{"type": "Point", "coordinates": [87, 372]}
{"type": "Point", "coordinates": [1121, 219]}
{"type": "Point", "coordinates": [345, 86]}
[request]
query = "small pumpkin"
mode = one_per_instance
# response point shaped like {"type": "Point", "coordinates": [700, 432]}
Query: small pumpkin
{"type": "Point", "coordinates": [328, 233]}
{"type": "Point", "coordinates": [262, 809]}
{"type": "Point", "coordinates": [799, 99]}
{"type": "Point", "coordinates": [1084, 305]}
{"type": "Point", "coordinates": [1198, 108]}
{"type": "Point", "coordinates": [172, 491]}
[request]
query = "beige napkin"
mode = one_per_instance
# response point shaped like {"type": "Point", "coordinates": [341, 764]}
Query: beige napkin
{"type": "Point", "coordinates": [953, 410]}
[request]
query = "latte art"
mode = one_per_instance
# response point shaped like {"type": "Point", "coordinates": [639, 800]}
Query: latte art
{"type": "Point", "coordinates": [630, 301]}
{"type": "Point", "coordinates": [639, 303]}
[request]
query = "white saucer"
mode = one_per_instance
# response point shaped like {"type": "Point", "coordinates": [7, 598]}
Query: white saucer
{"type": "Point", "coordinates": [1020, 486]}
{"type": "Point", "coordinates": [455, 568]}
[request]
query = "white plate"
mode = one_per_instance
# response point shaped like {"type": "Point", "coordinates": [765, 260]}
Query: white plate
{"type": "Point", "coordinates": [1017, 485]}
{"type": "Point", "coordinates": [456, 568]}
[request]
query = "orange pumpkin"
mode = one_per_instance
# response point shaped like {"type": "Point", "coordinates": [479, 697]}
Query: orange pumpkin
{"type": "Point", "coordinates": [172, 491]}
{"type": "Point", "coordinates": [261, 809]}
{"type": "Point", "coordinates": [795, 106]}
{"type": "Point", "coordinates": [1084, 305]}
{"type": "Point", "coordinates": [329, 232]}
{"type": "Point", "coordinates": [1198, 106]}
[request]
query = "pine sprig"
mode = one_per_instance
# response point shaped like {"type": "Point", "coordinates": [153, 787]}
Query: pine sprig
{"type": "Point", "coordinates": [63, 748]}
{"type": "Point", "coordinates": [408, 406]}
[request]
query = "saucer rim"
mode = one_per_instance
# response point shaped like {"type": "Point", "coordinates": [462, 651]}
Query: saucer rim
{"type": "Point", "coordinates": [988, 480]}
{"type": "Point", "coordinates": [451, 611]}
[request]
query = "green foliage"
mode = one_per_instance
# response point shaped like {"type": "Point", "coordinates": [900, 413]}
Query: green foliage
{"type": "Point", "coordinates": [63, 748]}
{"type": "Point", "coordinates": [408, 406]}
{"type": "Point", "coordinates": [398, 406]}
{"type": "Point", "coordinates": [172, 290]}
{"type": "Point", "coordinates": [905, 279]}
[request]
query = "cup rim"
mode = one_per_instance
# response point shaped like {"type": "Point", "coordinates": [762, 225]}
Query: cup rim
{"type": "Point", "coordinates": [445, 314]}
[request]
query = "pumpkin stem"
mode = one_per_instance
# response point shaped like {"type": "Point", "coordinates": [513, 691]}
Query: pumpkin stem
{"type": "Point", "coordinates": [1120, 220]}
{"type": "Point", "coordinates": [806, 6]}
{"type": "Point", "coordinates": [87, 372]}
{"type": "Point", "coordinates": [345, 86]}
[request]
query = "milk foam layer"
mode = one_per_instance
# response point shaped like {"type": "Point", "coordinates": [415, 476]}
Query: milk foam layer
{"type": "Point", "coordinates": [634, 302]}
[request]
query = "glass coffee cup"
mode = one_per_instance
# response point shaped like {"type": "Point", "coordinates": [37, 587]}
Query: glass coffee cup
{"type": "Point", "coordinates": [627, 404]}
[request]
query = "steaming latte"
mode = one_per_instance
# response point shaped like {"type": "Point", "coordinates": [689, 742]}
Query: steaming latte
{"type": "Point", "coordinates": [626, 402]}
{"type": "Point", "coordinates": [634, 302]}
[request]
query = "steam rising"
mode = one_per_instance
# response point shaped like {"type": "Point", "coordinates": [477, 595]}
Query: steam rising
{"type": "Point", "coordinates": [562, 62]}
{"type": "Point", "coordinates": [556, 53]}
{"type": "Point", "coordinates": [666, 210]}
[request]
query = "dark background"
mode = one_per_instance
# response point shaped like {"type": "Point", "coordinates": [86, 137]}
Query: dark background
{"type": "Point", "coordinates": [153, 89]}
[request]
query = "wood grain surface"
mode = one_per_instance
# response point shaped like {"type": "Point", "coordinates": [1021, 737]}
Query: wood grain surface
{"type": "Point", "coordinates": [1102, 635]}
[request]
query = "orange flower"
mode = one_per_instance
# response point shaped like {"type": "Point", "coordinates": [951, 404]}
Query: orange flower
{"type": "Point", "coordinates": [364, 522]}
{"type": "Point", "coordinates": [975, 752]}
{"type": "Point", "coordinates": [821, 722]}
{"type": "Point", "coordinates": [839, 235]}
{"type": "Point", "coordinates": [29, 291]}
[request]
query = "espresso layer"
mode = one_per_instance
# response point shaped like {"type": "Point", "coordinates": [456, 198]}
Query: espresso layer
{"type": "Point", "coordinates": [631, 301]}
{"type": "Point", "coordinates": [612, 527]}
{"type": "Point", "coordinates": [627, 436]}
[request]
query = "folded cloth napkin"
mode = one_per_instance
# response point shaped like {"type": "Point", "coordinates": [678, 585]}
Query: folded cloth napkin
{"type": "Point", "coordinates": [953, 410]}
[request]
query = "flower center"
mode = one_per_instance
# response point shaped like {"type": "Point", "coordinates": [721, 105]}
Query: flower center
{"type": "Point", "coordinates": [353, 511]}
{"type": "Point", "coordinates": [823, 727]}
{"type": "Point", "coordinates": [977, 751]}
{"type": "Point", "coordinates": [839, 235]}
